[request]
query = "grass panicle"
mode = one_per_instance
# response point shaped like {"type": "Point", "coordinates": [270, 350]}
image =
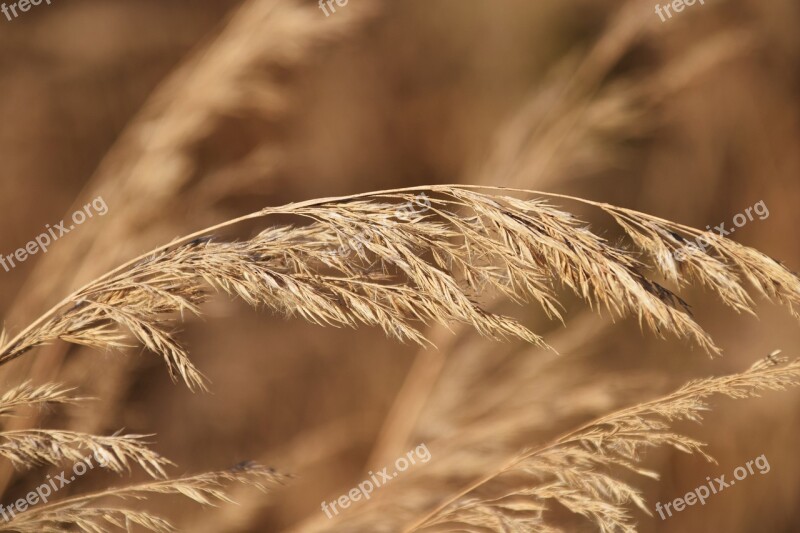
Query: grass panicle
{"type": "Point", "coordinates": [360, 261]}
{"type": "Point", "coordinates": [90, 513]}
{"type": "Point", "coordinates": [577, 470]}
{"type": "Point", "coordinates": [32, 447]}
{"type": "Point", "coordinates": [364, 260]}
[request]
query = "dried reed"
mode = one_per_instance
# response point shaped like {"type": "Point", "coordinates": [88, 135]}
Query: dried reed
{"type": "Point", "coordinates": [86, 513]}
{"type": "Point", "coordinates": [406, 272]}
{"type": "Point", "coordinates": [577, 469]}
{"type": "Point", "coordinates": [361, 261]}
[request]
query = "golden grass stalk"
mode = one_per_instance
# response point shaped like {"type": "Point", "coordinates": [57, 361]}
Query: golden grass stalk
{"type": "Point", "coordinates": [88, 513]}
{"type": "Point", "coordinates": [576, 469]}
{"type": "Point", "coordinates": [37, 447]}
{"type": "Point", "coordinates": [26, 395]}
{"type": "Point", "coordinates": [361, 261]}
{"type": "Point", "coordinates": [25, 448]}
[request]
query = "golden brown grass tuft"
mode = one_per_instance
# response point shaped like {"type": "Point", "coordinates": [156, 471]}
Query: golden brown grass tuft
{"type": "Point", "coordinates": [576, 470]}
{"type": "Point", "coordinates": [87, 513]}
{"type": "Point", "coordinates": [29, 448]}
{"type": "Point", "coordinates": [396, 274]}
{"type": "Point", "coordinates": [361, 261]}
{"type": "Point", "coordinates": [364, 260]}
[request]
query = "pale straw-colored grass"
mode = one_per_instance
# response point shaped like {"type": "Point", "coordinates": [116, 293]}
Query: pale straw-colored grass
{"type": "Point", "coordinates": [362, 260]}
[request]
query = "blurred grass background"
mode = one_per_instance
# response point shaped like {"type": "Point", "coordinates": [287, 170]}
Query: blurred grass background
{"type": "Point", "coordinates": [694, 120]}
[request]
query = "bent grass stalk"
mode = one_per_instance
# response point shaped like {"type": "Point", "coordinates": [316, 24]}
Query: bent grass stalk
{"type": "Point", "coordinates": [635, 295]}
{"type": "Point", "coordinates": [407, 272]}
{"type": "Point", "coordinates": [613, 440]}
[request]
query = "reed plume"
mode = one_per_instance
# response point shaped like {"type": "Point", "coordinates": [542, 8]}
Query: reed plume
{"type": "Point", "coordinates": [400, 260]}
{"type": "Point", "coordinates": [579, 470]}
{"type": "Point", "coordinates": [363, 261]}
{"type": "Point", "coordinates": [117, 453]}
{"type": "Point", "coordinates": [87, 513]}
{"type": "Point", "coordinates": [36, 447]}
{"type": "Point", "coordinates": [26, 395]}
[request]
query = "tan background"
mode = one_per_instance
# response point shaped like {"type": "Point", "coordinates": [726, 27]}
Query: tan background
{"type": "Point", "coordinates": [694, 120]}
